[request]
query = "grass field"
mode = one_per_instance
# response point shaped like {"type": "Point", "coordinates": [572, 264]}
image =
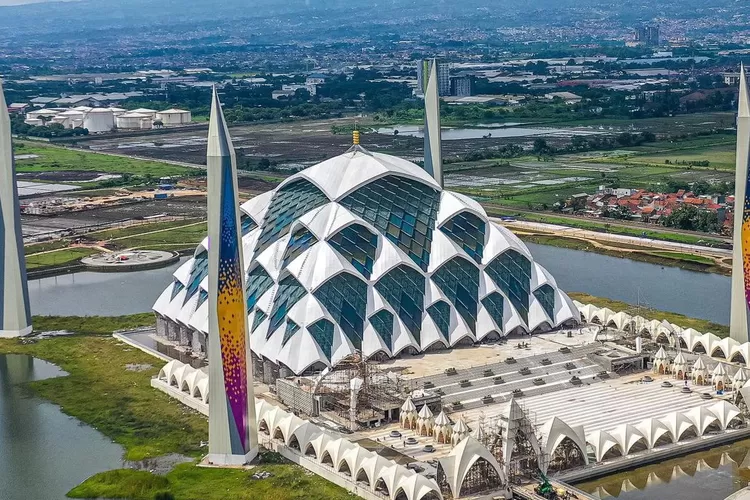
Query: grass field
{"type": "Point", "coordinates": [606, 227]}
{"type": "Point", "coordinates": [58, 257]}
{"type": "Point", "coordinates": [59, 159]}
{"type": "Point", "coordinates": [678, 319]}
{"type": "Point", "coordinates": [172, 235]}
{"type": "Point", "coordinates": [101, 391]}
{"type": "Point", "coordinates": [188, 482]}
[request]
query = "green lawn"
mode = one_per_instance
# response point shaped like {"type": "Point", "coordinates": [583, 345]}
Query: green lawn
{"type": "Point", "coordinates": [102, 392]}
{"type": "Point", "coordinates": [606, 227]}
{"type": "Point", "coordinates": [188, 482]}
{"type": "Point", "coordinates": [172, 235]}
{"type": "Point", "coordinates": [721, 157]}
{"type": "Point", "coordinates": [54, 158]}
{"type": "Point", "coordinates": [58, 257]}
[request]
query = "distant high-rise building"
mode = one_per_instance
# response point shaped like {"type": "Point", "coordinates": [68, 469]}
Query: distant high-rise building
{"type": "Point", "coordinates": [646, 35]}
{"type": "Point", "coordinates": [652, 36]}
{"type": "Point", "coordinates": [461, 86]}
{"type": "Point", "coordinates": [443, 76]}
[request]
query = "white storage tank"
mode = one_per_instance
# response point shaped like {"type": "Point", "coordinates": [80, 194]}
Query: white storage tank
{"type": "Point", "coordinates": [174, 116]}
{"type": "Point", "coordinates": [99, 120]}
{"type": "Point", "coordinates": [118, 111]}
{"type": "Point", "coordinates": [151, 113]}
{"type": "Point", "coordinates": [37, 122]}
{"type": "Point", "coordinates": [133, 120]}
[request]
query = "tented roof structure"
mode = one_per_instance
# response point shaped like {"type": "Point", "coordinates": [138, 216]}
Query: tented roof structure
{"type": "Point", "coordinates": [365, 253]}
{"type": "Point", "coordinates": [457, 464]}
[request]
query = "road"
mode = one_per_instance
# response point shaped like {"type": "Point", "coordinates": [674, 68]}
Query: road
{"type": "Point", "coordinates": [585, 234]}
{"type": "Point", "coordinates": [613, 223]}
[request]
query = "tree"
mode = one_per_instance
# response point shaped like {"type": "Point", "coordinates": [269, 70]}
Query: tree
{"type": "Point", "coordinates": [264, 163]}
{"type": "Point", "coordinates": [540, 146]}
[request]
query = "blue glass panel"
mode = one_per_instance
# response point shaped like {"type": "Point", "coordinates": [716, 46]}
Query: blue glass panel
{"type": "Point", "coordinates": [511, 272]}
{"type": "Point", "coordinates": [322, 332]}
{"type": "Point", "coordinates": [258, 319]}
{"type": "Point", "coordinates": [459, 280]}
{"type": "Point", "coordinates": [289, 203]}
{"type": "Point", "coordinates": [545, 294]}
{"type": "Point", "coordinates": [202, 297]}
{"type": "Point", "coordinates": [177, 287]}
{"type": "Point", "coordinates": [345, 298]}
{"type": "Point", "coordinates": [402, 209]}
{"type": "Point", "coordinates": [467, 230]}
{"type": "Point", "coordinates": [382, 322]}
{"type": "Point", "coordinates": [247, 223]}
{"type": "Point", "coordinates": [301, 240]}
{"type": "Point", "coordinates": [357, 244]}
{"type": "Point", "coordinates": [197, 274]}
{"type": "Point", "coordinates": [288, 294]}
{"type": "Point", "coordinates": [440, 312]}
{"type": "Point", "coordinates": [494, 305]}
{"type": "Point", "coordinates": [403, 288]}
{"type": "Point", "coordinates": [257, 283]}
{"type": "Point", "coordinates": [291, 329]}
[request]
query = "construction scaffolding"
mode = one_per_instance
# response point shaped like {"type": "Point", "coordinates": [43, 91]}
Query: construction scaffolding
{"type": "Point", "coordinates": [356, 394]}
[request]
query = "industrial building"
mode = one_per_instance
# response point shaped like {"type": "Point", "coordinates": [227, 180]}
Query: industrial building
{"type": "Point", "coordinates": [102, 120]}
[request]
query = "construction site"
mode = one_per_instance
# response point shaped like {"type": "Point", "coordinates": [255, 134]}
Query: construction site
{"type": "Point", "coordinates": [571, 404]}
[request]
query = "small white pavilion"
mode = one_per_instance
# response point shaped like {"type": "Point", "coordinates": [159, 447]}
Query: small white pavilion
{"type": "Point", "coordinates": [700, 372]}
{"type": "Point", "coordinates": [679, 366]}
{"type": "Point", "coordinates": [720, 377]}
{"type": "Point", "coordinates": [442, 430]}
{"type": "Point", "coordinates": [425, 421]}
{"type": "Point", "coordinates": [661, 362]}
{"type": "Point", "coordinates": [460, 431]}
{"type": "Point", "coordinates": [408, 417]}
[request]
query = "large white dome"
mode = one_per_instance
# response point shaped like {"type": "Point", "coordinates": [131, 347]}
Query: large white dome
{"type": "Point", "coordinates": [366, 253]}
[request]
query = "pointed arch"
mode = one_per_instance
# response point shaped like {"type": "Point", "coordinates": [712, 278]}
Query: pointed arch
{"type": "Point", "coordinates": [310, 451]}
{"type": "Point", "coordinates": [294, 443]}
{"type": "Point", "coordinates": [361, 477]}
{"type": "Point", "coordinates": [343, 468]}
{"type": "Point", "coordinates": [263, 427]}
{"type": "Point", "coordinates": [326, 459]}
{"type": "Point", "coordinates": [381, 487]}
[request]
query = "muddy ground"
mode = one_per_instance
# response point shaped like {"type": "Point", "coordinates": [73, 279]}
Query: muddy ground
{"type": "Point", "coordinates": [187, 206]}
{"type": "Point", "coordinates": [290, 144]}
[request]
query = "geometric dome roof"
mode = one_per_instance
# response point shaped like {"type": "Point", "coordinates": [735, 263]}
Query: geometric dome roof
{"type": "Point", "coordinates": [365, 253]}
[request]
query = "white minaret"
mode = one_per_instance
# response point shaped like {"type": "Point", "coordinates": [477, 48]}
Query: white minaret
{"type": "Point", "coordinates": [15, 313]}
{"type": "Point", "coordinates": [433, 158]}
{"type": "Point", "coordinates": [232, 426]}
{"type": "Point", "coordinates": [738, 323]}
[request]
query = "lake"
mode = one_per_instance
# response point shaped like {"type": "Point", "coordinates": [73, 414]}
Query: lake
{"type": "Point", "coordinates": [455, 134]}
{"type": "Point", "coordinates": [99, 294]}
{"type": "Point", "coordinates": [695, 294]}
{"type": "Point", "coordinates": [43, 452]}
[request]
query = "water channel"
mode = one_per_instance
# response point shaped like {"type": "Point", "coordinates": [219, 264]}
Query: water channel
{"type": "Point", "coordinates": [43, 452]}
{"type": "Point", "coordinates": [700, 295]}
{"type": "Point", "coordinates": [500, 130]}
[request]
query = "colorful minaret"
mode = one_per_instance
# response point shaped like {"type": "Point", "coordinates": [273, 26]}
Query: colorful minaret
{"type": "Point", "coordinates": [433, 158]}
{"type": "Point", "coordinates": [738, 323]}
{"type": "Point", "coordinates": [15, 312]}
{"type": "Point", "coordinates": [232, 427]}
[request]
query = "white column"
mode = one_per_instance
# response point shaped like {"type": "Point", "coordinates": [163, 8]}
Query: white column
{"type": "Point", "coordinates": [15, 312]}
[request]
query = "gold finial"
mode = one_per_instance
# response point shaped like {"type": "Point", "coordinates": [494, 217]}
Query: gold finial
{"type": "Point", "coordinates": [355, 137]}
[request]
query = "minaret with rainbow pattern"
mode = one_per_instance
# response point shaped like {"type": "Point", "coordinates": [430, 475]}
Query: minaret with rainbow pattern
{"type": "Point", "coordinates": [738, 322]}
{"type": "Point", "coordinates": [232, 426]}
{"type": "Point", "coordinates": [15, 312]}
